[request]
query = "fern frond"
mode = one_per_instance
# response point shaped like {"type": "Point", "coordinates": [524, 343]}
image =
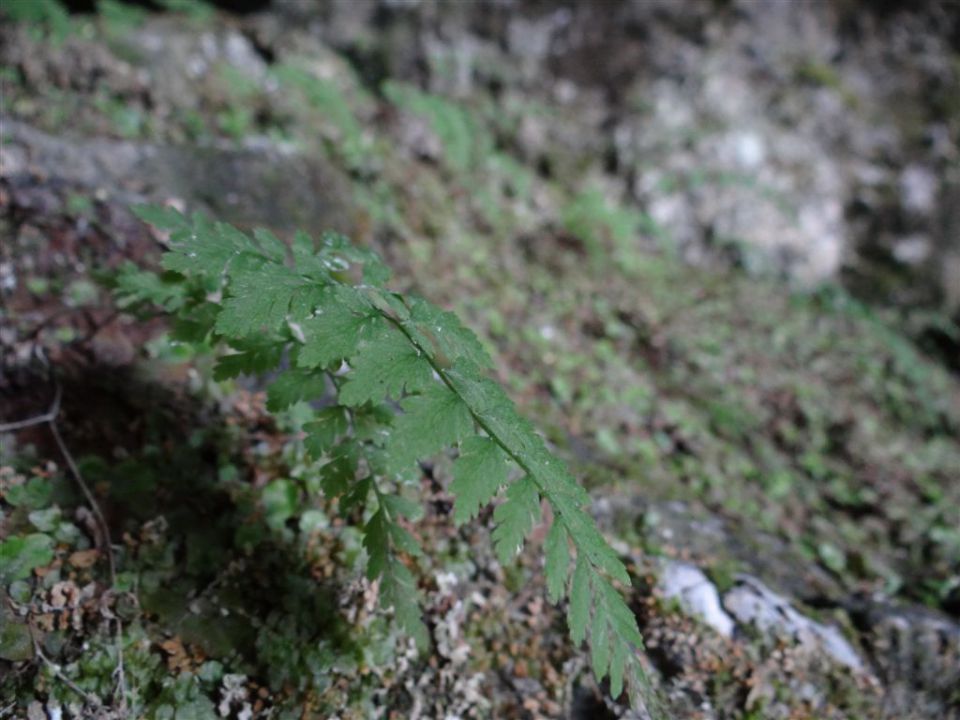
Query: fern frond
{"type": "Point", "coordinates": [399, 591]}
{"type": "Point", "coordinates": [338, 475]}
{"type": "Point", "coordinates": [405, 351]}
{"type": "Point", "coordinates": [259, 297]}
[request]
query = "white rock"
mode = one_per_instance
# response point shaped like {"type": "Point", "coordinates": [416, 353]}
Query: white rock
{"type": "Point", "coordinates": [918, 189]}
{"type": "Point", "coordinates": [696, 594]}
{"type": "Point", "coordinates": [753, 603]}
{"type": "Point", "coordinates": [446, 582]}
{"type": "Point", "coordinates": [912, 249]}
{"type": "Point", "coordinates": [750, 150]}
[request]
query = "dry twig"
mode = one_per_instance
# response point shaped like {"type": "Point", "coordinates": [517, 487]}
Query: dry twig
{"type": "Point", "coordinates": [91, 700]}
{"type": "Point", "coordinates": [48, 417]}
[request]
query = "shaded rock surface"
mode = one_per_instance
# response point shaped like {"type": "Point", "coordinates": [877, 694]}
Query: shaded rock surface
{"type": "Point", "coordinates": [264, 184]}
{"type": "Point", "coordinates": [916, 652]}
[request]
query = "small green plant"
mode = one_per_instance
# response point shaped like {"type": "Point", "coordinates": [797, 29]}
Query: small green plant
{"type": "Point", "coordinates": [604, 226]}
{"type": "Point", "coordinates": [119, 18]}
{"type": "Point", "coordinates": [465, 143]}
{"type": "Point", "coordinates": [45, 17]}
{"type": "Point", "coordinates": [197, 11]}
{"type": "Point", "coordinates": [322, 320]}
{"type": "Point", "coordinates": [325, 97]}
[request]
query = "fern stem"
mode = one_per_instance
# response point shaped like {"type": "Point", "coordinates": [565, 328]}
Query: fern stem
{"type": "Point", "coordinates": [441, 373]}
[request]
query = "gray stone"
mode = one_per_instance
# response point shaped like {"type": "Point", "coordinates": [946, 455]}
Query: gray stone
{"type": "Point", "coordinates": [268, 185]}
{"type": "Point", "coordinates": [179, 62]}
{"type": "Point", "coordinates": [753, 603]}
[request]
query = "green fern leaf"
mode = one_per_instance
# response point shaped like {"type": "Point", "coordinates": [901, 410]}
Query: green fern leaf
{"type": "Point", "coordinates": [599, 643]}
{"type": "Point", "coordinates": [337, 475]}
{"type": "Point", "coordinates": [477, 475]}
{"type": "Point", "coordinates": [621, 618]}
{"type": "Point", "coordinates": [514, 518]}
{"type": "Point", "coordinates": [328, 425]}
{"type": "Point", "coordinates": [294, 386]}
{"type": "Point", "coordinates": [195, 322]}
{"type": "Point", "coordinates": [371, 423]}
{"type": "Point", "coordinates": [431, 421]}
{"type": "Point", "coordinates": [270, 245]}
{"type": "Point", "coordinates": [578, 613]}
{"type": "Point", "coordinates": [617, 663]}
{"type": "Point", "coordinates": [404, 541]}
{"type": "Point", "coordinates": [376, 541]}
{"type": "Point", "coordinates": [256, 356]}
{"type": "Point", "coordinates": [342, 322]}
{"type": "Point", "coordinates": [399, 506]}
{"type": "Point", "coordinates": [335, 245]}
{"type": "Point", "coordinates": [383, 367]}
{"type": "Point", "coordinates": [488, 400]}
{"type": "Point", "coordinates": [164, 218]}
{"type": "Point", "coordinates": [133, 285]}
{"type": "Point", "coordinates": [448, 339]}
{"type": "Point", "coordinates": [206, 248]}
{"type": "Point", "coordinates": [588, 539]}
{"type": "Point", "coordinates": [356, 496]}
{"type": "Point", "coordinates": [258, 298]}
{"type": "Point", "coordinates": [397, 349]}
{"type": "Point", "coordinates": [557, 561]}
{"type": "Point", "coordinates": [333, 336]}
{"type": "Point", "coordinates": [399, 591]}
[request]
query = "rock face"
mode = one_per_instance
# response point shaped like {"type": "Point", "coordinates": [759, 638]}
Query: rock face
{"type": "Point", "coordinates": [912, 651]}
{"type": "Point", "coordinates": [180, 60]}
{"type": "Point", "coordinates": [266, 184]}
{"type": "Point", "coordinates": [811, 140]}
